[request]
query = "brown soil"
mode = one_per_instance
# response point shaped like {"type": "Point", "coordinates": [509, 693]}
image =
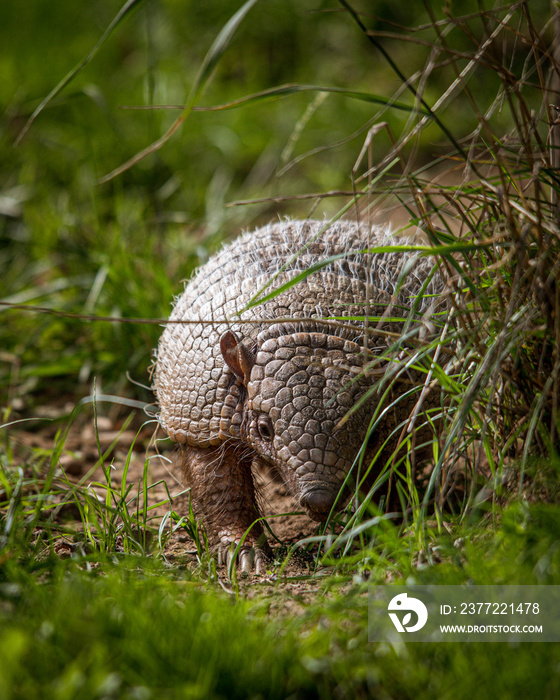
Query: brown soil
{"type": "Point", "coordinates": [81, 455]}
{"type": "Point", "coordinates": [79, 462]}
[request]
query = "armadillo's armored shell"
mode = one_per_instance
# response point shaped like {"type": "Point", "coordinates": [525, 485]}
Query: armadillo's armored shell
{"type": "Point", "coordinates": [197, 392]}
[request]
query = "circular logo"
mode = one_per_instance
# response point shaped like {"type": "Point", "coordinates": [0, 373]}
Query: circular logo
{"type": "Point", "coordinates": [403, 604]}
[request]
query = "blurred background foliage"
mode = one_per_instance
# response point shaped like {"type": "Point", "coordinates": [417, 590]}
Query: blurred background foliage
{"type": "Point", "coordinates": [122, 248]}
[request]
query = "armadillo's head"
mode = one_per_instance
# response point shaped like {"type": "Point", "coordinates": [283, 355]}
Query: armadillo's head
{"type": "Point", "coordinates": [300, 388]}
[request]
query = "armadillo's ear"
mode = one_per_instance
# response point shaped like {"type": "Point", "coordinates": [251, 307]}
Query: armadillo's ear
{"type": "Point", "coordinates": [238, 357]}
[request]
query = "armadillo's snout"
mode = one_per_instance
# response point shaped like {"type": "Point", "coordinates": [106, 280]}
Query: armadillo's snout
{"type": "Point", "coordinates": [318, 503]}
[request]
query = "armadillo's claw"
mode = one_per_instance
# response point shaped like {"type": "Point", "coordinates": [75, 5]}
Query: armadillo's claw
{"type": "Point", "coordinates": [260, 561]}
{"type": "Point", "coordinates": [246, 560]}
{"type": "Point", "coordinates": [249, 559]}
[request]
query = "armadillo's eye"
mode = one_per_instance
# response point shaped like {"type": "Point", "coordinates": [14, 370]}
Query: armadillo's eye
{"type": "Point", "coordinates": [265, 428]}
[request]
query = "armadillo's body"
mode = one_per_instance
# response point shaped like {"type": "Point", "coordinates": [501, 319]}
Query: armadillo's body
{"type": "Point", "coordinates": [273, 383]}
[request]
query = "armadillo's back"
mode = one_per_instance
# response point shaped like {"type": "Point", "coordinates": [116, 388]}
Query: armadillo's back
{"type": "Point", "coordinates": [196, 390]}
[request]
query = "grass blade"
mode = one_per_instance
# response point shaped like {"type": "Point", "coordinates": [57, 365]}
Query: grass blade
{"type": "Point", "coordinates": [210, 61]}
{"type": "Point", "coordinates": [123, 12]}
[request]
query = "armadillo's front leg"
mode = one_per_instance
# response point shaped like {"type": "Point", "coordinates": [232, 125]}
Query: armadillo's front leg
{"type": "Point", "coordinates": [223, 496]}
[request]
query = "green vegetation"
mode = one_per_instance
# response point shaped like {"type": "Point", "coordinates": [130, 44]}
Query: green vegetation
{"type": "Point", "coordinates": [98, 627]}
{"type": "Point", "coordinates": [440, 118]}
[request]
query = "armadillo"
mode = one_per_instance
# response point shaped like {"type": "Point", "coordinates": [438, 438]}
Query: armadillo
{"type": "Point", "coordinates": [285, 383]}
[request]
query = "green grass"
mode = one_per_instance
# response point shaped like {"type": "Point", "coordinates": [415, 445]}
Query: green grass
{"type": "Point", "coordinates": [124, 626]}
{"type": "Point", "coordinates": [81, 254]}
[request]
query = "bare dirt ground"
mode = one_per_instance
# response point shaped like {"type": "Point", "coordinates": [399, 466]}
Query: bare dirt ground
{"type": "Point", "coordinates": [134, 444]}
{"type": "Point", "coordinates": [80, 456]}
